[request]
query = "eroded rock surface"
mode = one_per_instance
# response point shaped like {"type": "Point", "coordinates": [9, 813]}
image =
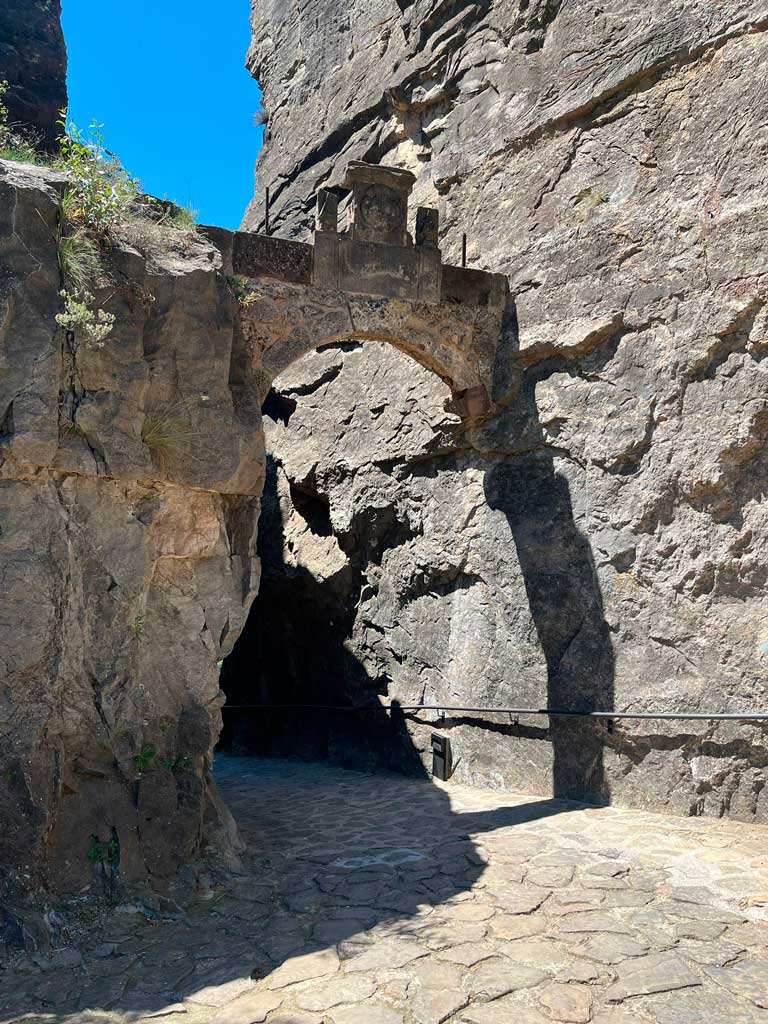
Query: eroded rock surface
{"type": "Point", "coordinates": [129, 483]}
{"type": "Point", "coordinates": [603, 545]}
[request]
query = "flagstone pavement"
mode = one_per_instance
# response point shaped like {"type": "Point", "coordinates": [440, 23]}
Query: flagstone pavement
{"type": "Point", "coordinates": [380, 899]}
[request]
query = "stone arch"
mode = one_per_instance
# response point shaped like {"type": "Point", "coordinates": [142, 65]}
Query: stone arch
{"type": "Point", "coordinates": [371, 281]}
{"type": "Point", "coordinates": [282, 322]}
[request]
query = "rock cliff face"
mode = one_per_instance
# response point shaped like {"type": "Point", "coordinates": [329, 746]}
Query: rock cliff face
{"type": "Point", "coordinates": [33, 60]}
{"type": "Point", "coordinates": [127, 545]}
{"type": "Point", "coordinates": [604, 543]}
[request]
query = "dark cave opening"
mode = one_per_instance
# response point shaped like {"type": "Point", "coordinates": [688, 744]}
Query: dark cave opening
{"type": "Point", "coordinates": [293, 650]}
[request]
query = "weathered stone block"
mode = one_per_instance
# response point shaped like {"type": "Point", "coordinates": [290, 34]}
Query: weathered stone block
{"type": "Point", "coordinates": [265, 256]}
{"type": "Point", "coordinates": [379, 210]}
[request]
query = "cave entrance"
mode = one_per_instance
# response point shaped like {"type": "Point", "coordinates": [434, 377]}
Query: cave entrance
{"type": "Point", "coordinates": [335, 512]}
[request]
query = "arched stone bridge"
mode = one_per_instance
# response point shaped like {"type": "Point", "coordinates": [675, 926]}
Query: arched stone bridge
{"type": "Point", "coordinates": [372, 281]}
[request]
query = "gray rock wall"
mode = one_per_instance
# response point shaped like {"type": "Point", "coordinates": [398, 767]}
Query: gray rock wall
{"type": "Point", "coordinates": [33, 60]}
{"type": "Point", "coordinates": [605, 543]}
{"type": "Point", "coordinates": [129, 483]}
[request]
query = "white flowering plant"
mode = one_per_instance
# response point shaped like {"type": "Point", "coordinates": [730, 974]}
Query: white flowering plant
{"type": "Point", "coordinates": [79, 316]}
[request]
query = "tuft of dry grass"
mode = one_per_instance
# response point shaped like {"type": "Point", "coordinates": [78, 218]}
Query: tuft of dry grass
{"type": "Point", "coordinates": [157, 238]}
{"type": "Point", "coordinates": [169, 439]}
{"type": "Point", "coordinates": [79, 259]}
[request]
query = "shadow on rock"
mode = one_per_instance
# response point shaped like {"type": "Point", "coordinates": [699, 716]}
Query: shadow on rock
{"type": "Point", "coordinates": [565, 601]}
{"type": "Point", "coordinates": [292, 652]}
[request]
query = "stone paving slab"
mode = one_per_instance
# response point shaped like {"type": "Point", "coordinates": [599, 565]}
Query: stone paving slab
{"type": "Point", "coordinates": [388, 900]}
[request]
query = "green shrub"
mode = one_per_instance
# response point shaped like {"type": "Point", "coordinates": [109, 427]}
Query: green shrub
{"type": "Point", "coordinates": [104, 853]}
{"type": "Point", "coordinates": [241, 289]}
{"type": "Point", "coordinates": [168, 213]}
{"type": "Point", "coordinates": [68, 206]}
{"type": "Point", "coordinates": [238, 286]}
{"type": "Point", "coordinates": [183, 218]}
{"type": "Point", "coordinates": [100, 197]}
{"type": "Point", "coordinates": [100, 192]}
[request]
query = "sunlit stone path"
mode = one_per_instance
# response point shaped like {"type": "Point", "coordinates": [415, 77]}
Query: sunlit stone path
{"type": "Point", "coordinates": [385, 900]}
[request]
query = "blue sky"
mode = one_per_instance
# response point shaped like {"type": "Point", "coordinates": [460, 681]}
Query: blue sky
{"type": "Point", "coordinates": [167, 80]}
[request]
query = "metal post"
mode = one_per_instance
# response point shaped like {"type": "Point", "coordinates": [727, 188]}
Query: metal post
{"type": "Point", "coordinates": [441, 757]}
{"type": "Point", "coordinates": [266, 212]}
{"type": "Point", "coordinates": [463, 250]}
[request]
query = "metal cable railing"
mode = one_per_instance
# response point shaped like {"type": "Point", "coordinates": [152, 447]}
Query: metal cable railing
{"type": "Point", "coordinates": [443, 709]}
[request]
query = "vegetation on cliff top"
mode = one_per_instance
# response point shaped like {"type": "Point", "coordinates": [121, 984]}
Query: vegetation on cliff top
{"type": "Point", "coordinates": [102, 203]}
{"type": "Point", "coordinates": [102, 206]}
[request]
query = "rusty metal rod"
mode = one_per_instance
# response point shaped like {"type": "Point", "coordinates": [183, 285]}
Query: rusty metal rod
{"type": "Point", "coordinates": [551, 712]}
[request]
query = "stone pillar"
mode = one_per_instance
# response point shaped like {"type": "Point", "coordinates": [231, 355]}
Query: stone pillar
{"type": "Point", "coordinates": [379, 203]}
{"type": "Point", "coordinates": [374, 254]}
{"type": "Point", "coordinates": [327, 214]}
